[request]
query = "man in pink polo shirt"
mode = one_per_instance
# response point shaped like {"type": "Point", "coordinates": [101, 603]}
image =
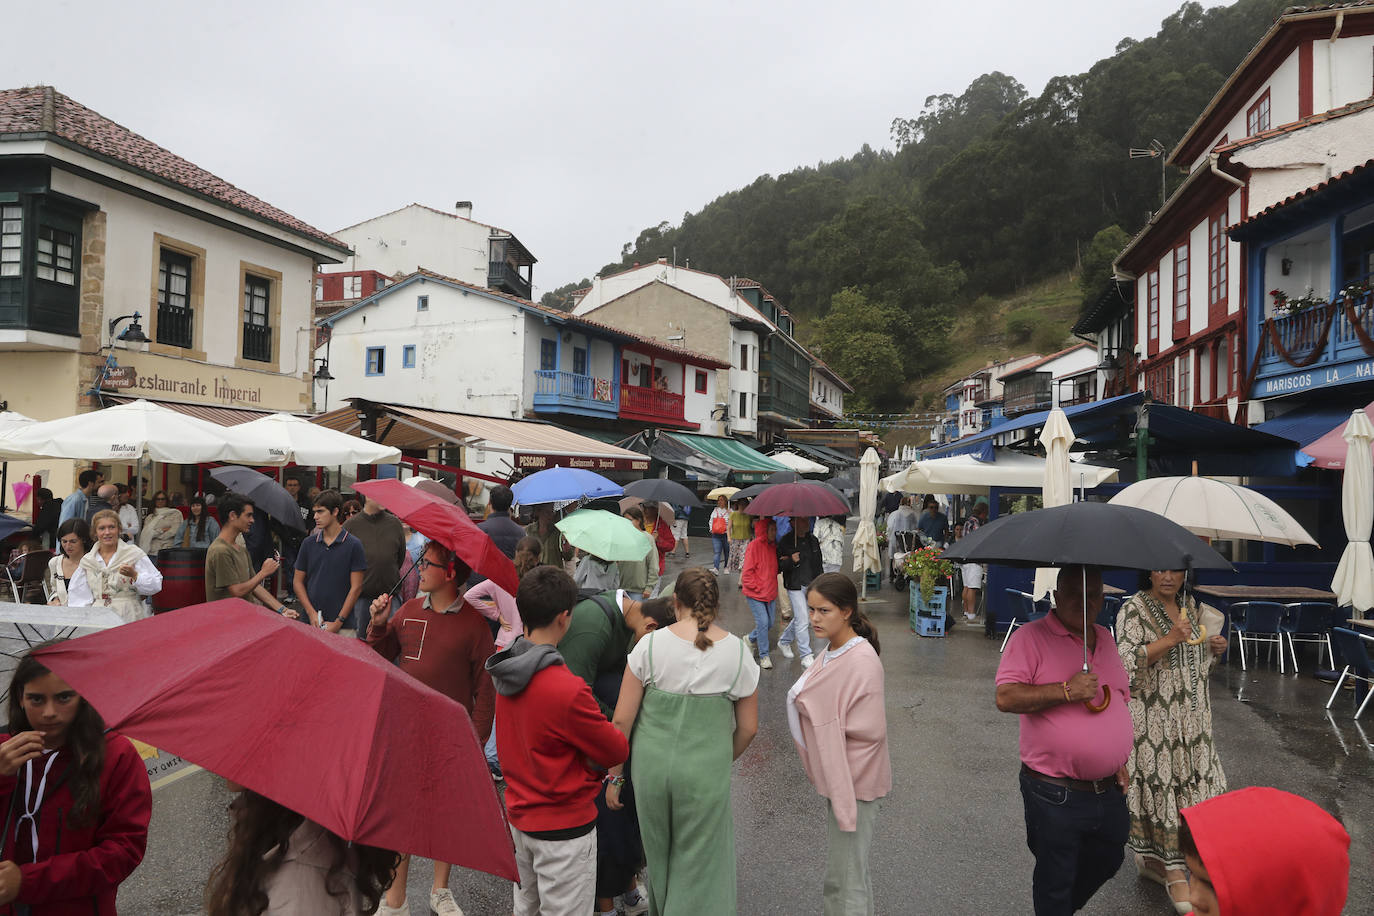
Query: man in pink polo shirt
{"type": "Point", "coordinates": [1073, 760]}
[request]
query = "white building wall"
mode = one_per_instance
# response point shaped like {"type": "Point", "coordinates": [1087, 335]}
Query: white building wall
{"type": "Point", "coordinates": [130, 268]}
{"type": "Point", "coordinates": [1291, 163]}
{"type": "Point", "coordinates": [1341, 71]}
{"type": "Point", "coordinates": [744, 381]}
{"type": "Point", "coordinates": [415, 237]}
{"type": "Point", "coordinates": [697, 406]}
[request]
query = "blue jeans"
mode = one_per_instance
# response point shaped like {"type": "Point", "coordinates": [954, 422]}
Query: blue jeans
{"type": "Point", "coordinates": [1078, 839]}
{"type": "Point", "coordinates": [720, 549]}
{"type": "Point", "coordinates": [763, 612]}
{"type": "Point", "coordinates": [799, 630]}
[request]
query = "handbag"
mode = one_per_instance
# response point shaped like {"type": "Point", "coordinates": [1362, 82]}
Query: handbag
{"type": "Point", "coordinates": [718, 524]}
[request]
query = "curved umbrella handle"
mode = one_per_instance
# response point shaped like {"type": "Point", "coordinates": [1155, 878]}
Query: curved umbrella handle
{"type": "Point", "coordinates": [1106, 701]}
{"type": "Point", "coordinates": [1201, 636]}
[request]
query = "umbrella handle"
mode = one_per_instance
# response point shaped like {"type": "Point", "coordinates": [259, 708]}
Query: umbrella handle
{"type": "Point", "coordinates": [1106, 701]}
{"type": "Point", "coordinates": [1201, 636]}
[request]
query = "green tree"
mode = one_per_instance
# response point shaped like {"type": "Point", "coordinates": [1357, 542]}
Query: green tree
{"type": "Point", "coordinates": [1097, 261]}
{"type": "Point", "coordinates": [856, 338]}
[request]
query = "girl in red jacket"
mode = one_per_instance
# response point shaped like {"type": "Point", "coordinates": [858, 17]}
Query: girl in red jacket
{"type": "Point", "coordinates": [76, 800]}
{"type": "Point", "coordinates": [759, 581]}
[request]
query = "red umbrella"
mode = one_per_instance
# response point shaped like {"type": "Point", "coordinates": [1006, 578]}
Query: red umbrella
{"type": "Point", "coordinates": [799, 500]}
{"type": "Point", "coordinates": [245, 693]}
{"type": "Point", "coordinates": [447, 524]}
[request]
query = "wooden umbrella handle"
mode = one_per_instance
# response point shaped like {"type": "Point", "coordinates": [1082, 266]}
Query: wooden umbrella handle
{"type": "Point", "coordinates": [1106, 701]}
{"type": "Point", "coordinates": [1201, 635]}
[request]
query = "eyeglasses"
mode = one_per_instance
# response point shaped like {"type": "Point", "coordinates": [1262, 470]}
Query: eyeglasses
{"type": "Point", "coordinates": [426, 563]}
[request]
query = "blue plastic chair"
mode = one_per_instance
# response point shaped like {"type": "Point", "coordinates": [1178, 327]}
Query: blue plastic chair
{"type": "Point", "coordinates": [1024, 610]}
{"type": "Point", "coordinates": [1352, 647]}
{"type": "Point", "coordinates": [1259, 622]}
{"type": "Point", "coordinates": [1111, 609]}
{"type": "Point", "coordinates": [1309, 621]}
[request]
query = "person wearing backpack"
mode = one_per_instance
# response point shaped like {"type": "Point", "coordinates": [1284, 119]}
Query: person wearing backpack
{"type": "Point", "coordinates": [720, 534]}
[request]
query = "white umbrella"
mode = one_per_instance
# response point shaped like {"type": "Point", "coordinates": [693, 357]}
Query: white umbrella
{"type": "Point", "coordinates": [1215, 509]}
{"type": "Point", "coordinates": [1057, 489]}
{"type": "Point", "coordinates": [287, 438]}
{"type": "Point", "coordinates": [866, 559]}
{"type": "Point", "coordinates": [127, 432]}
{"type": "Point", "coordinates": [23, 626]}
{"type": "Point", "coordinates": [965, 474]}
{"type": "Point", "coordinates": [1354, 582]}
{"type": "Point", "coordinates": [797, 463]}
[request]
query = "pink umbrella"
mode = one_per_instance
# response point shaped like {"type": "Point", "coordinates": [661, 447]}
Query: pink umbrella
{"type": "Point", "coordinates": [1329, 451]}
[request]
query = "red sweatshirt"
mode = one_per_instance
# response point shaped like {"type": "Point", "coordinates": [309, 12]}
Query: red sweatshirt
{"type": "Point", "coordinates": [546, 734]}
{"type": "Point", "coordinates": [759, 576]}
{"type": "Point", "coordinates": [79, 869]}
{"type": "Point", "coordinates": [444, 651]}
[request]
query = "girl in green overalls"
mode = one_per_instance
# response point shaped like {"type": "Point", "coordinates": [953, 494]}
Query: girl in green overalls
{"type": "Point", "coordinates": [690, 698]}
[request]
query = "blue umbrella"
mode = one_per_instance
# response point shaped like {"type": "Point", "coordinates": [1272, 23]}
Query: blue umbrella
{"type": "Point", "coordinates": [559, 484]}
{"type": "Point", "coordinates": [9, 525]}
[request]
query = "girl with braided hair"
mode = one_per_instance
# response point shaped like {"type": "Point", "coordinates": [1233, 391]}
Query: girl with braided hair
{"type": "Point", "coordinates": [690, 697]}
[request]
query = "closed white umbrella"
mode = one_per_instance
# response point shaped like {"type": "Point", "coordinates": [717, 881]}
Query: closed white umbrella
{"type": "Point", "coordinates": [287, 438]}
{"type": "Point", "coordinates": [1057, 488]}
{"type": "Point", "coordinates": [126, 432]}
{"type": "Point", "coordinates": [1354, 582]}
{"type": "Point", "coordinates": [1215, 509]}
{"type": "Point", "coordinates": [965, 474]}
{"type": "Point", "coordinates": [865, 547]}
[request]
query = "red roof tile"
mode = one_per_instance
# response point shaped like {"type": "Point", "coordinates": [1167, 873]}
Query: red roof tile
{"type": "Point", "coordinates": [1319, 118]}
{"type": "Point", "coordinates": [42, 110]}
{"type": "Point", "coordinates": [1031, 367]}
{"type": "Point", "coordinates": [1294, 198]}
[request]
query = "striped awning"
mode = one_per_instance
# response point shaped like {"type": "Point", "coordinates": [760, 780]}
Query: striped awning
{"type": "Point", "coordinates": [224, 416]}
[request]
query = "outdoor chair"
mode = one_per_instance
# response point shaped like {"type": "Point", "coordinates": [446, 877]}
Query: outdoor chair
{"type": "Point", "coordinates": [1309, 621]}
{"type": "Point", "coordinates": [26, 573]}
{"type": "Point", "coordinates": [1111, 607]}
{"type": "Point", "coordinates": [1024, 609]}
{"type": "Point", "coordinates": [1260, 623]}
{"type": "Point", "coordinates": [1357, 666]}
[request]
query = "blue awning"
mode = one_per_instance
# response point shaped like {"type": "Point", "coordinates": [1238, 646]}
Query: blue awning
{"type": "Point", "coordinates": [980, 444]}
{"type": "Point", "coordinates": [1309, 423]}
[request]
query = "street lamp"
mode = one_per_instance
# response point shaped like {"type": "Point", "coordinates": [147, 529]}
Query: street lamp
{"type": "Point", "coordinates": [133, 333]}
{"type": "Point", "coordinates": [322, 371]}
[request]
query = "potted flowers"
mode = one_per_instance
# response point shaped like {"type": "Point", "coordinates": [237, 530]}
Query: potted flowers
{"type": "Point", "coordinates": [1285, 304]}
{"type": "Point", "coordinates": [926, 567]}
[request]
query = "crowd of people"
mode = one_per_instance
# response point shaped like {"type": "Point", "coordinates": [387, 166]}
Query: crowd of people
{"type": "Point", "coordinates": [613, 703]}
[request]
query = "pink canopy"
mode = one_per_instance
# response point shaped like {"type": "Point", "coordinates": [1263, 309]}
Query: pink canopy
{"type": "Point", "coordinates": [1329, 451]}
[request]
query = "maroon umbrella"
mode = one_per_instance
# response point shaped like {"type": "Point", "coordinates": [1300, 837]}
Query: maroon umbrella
{"type": "Point", "coordinates": [447, 524]}
{"type": "Point", "coordinates": [806, 498]}
{"type": "Point", "coordinates": [241, 691]}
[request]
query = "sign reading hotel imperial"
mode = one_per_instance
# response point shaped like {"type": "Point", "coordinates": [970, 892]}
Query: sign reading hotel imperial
{"type": "Point", "coordinates": [159, 377]}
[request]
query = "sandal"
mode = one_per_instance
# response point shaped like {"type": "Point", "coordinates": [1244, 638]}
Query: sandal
{"type": "Point", "coordinates": [1185, 905]}
{"type": "Point", "coordinates": [1149, 874]}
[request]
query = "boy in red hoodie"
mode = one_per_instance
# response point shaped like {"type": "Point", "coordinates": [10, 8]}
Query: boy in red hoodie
{"type": "Point", "coordinates": [549, 720]}
{"type": "Point", "coordinates": [1258, 851]}
{"type": "Point", "coordinates": [759, 581]}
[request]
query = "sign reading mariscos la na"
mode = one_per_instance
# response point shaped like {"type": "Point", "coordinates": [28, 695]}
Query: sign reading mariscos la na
{"type": "Point", "coordinates": [1323, 377]}
{"type": "Point", "coordinates": [529, 462]}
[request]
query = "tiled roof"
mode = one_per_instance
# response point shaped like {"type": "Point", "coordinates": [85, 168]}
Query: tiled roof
{"type": "Point", "coordinates": [1031, 367]}
{"type": "Point", "coordinates": [1294, 198]}
{"type": "Point", "coordinates": [43, 111]}
{"type": "Point", "coordinates": [1319, 118]}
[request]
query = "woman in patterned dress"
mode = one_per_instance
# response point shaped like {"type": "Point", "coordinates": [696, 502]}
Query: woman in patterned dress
{"type": "Point", "coordinates": [1174, 763]}
{"type": "Point", "coordinates": [114, 573]}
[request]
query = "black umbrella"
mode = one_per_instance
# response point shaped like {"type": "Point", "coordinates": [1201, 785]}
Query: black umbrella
{"type": "Point", "coordinates": [266, 494]}
{"type": "Point", "coordinates": [1087, 534]}
{"type": "Point", "coordinates": [751, 491]}
{"type": "Point", "coordinates": [660, 489]}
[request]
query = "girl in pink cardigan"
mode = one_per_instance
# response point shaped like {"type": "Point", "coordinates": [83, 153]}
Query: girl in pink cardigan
{"type": "Point", "coordinates": [838, 721]}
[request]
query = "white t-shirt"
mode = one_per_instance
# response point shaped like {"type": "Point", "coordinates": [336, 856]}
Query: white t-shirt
{"type": "Point", "coordinates": [680, 667]}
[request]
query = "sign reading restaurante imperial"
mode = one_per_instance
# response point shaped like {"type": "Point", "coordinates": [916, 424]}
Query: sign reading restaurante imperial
{"type": "Point", "coordinates": [153, 376]}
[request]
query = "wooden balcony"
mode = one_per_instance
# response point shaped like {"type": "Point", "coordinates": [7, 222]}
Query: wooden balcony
{"type": "Point", "coordinates": [556, 391]}
{"type": "Point", "coordinates": [650, 405]}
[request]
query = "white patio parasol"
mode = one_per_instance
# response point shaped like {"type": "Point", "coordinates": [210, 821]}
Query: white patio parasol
{"type": "Point", "coordinates": [127, 432]}
{"type": "Point", "coordinates": [1354, 581]}
{"type": "Point", "coordinates": [865, 547]}
{"type": "Point", "coordinates": [1215, 509]}
{"type": "Point", "coordinates": [967, 475]}
{"type": "Point", "coordinates": [1057, 488]}
{"type": "Point", "coordinates": [23, 626]}
{"type": "Point", "coordinates": [286, 438]}
{"type": "Point", "coordinates": [797, 463]}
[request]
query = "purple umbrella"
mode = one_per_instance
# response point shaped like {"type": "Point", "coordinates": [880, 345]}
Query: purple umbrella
{"type": "Point", "coordinates": [798, 500]}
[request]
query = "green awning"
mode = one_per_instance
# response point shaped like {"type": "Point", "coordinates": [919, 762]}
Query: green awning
{"type": "Point", "coordinates": [747, 465]}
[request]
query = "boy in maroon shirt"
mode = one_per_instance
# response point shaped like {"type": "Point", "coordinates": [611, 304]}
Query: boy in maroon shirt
{"type": "Point", "coordinates": [548, 728]}
{"type": "Point", "coordinates": [444, 643]}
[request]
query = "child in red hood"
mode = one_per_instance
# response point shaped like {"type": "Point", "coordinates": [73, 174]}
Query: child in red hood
{"type": "Point", "coordinates": [1261, 851]}
{"type": "Point", "coordinates": [759, 582]}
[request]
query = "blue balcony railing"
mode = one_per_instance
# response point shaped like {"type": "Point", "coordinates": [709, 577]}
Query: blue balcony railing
{"type": "Point", "coordinates": [556, 391]}
{"type": "Point", "coordinates": [1317, 347]}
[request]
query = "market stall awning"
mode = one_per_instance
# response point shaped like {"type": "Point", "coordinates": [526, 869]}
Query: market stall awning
{"type": "Point", "coordinates": [1306, 425]}
{"type": "Point", "coordinates": [1178, 437]}
{"type": "Point", "coordinates": [224, 416]}
{"type": "Point", "coordinates": [533, 445]}
{"type": "Point", "coordinates": [822, 454]}
{"type": "Point", "coordinates": [694, 465]}
{"type": "Point", "coordinates": [746, 465]}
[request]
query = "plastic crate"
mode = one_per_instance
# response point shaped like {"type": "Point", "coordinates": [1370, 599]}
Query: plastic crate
{"type": "Point", "coordinates": [874, 580]}
{"type": "Point", "coordinates": [927, 618]}
{"type": "Point", "coordinates": [930, 626]}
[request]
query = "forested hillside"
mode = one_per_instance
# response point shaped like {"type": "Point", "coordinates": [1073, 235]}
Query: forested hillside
{"type": "Point", "coordinates": [985, 193]}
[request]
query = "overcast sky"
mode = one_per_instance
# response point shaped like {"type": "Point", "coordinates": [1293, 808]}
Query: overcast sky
{"type": "Point", "coordinates": [573, 125]}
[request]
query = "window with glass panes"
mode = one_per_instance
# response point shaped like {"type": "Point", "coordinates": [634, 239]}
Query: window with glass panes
{"type": "Point", "coordinates": [257, 334]}
{"type": "Point", "coordinates": [11, 240]}
{"type": "Point", "coordinates": [174, 318]}
{"type": "Point", "coordinates": [53, 258]}
{"type": "Point", "coordinates": [1181, 283]}
{"type": "Point", "coordinates": [1152, 303]}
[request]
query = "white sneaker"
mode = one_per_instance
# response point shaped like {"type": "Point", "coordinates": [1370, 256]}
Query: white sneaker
{"type": "Point", "coordinates": [786, 650]}
{"type": "Point", "coordinates": [807, 660]}
{"type": "Point", "coordinates": [384, 910]}
{"type": "Point", "coordinates": [638, 908]}
{"type": "Point", "coordinates": [766, 663]}
{"type": "Point", "coordinates": [441, 903]}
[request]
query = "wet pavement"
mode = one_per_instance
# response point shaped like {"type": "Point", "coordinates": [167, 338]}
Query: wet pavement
{"type": "Point", "coordinates": [950, 836]}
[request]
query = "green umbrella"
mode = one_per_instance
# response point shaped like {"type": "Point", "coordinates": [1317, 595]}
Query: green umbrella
{"type": "Point", "coordinates": [604, 535]}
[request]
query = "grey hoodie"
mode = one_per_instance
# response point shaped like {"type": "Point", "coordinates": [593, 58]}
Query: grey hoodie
{"type": "Point", "coordinates": [512, 667]}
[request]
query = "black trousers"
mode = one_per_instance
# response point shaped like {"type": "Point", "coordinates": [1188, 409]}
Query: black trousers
{"type": "Point", "coordinates": [1078, 839]}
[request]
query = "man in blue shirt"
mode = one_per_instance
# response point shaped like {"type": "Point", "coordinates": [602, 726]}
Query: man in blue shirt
{"type": "Point", "coordinates": [933, 522]}
{"type": "Point", "coordinates": [330, 568]}
{"type": "Point", "coordinates": [74, 506]}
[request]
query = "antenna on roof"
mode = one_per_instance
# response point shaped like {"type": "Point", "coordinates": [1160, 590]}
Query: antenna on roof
{"type": "Point", "coordinates": [1154, 151]}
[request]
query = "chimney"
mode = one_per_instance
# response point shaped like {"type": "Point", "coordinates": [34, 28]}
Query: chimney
{"type": "Point", "coordinates": [463, 208]}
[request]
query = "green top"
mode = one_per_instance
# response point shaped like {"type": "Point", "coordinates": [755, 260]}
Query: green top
{"type": "Point", "coordinates": [595, 644]}
{"type": "Point", "coordinates": [552, 554]}
{"type": "Point", "coordinates": [226, 565]}
{"type": "Point", "coordinates": [741, 525]}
